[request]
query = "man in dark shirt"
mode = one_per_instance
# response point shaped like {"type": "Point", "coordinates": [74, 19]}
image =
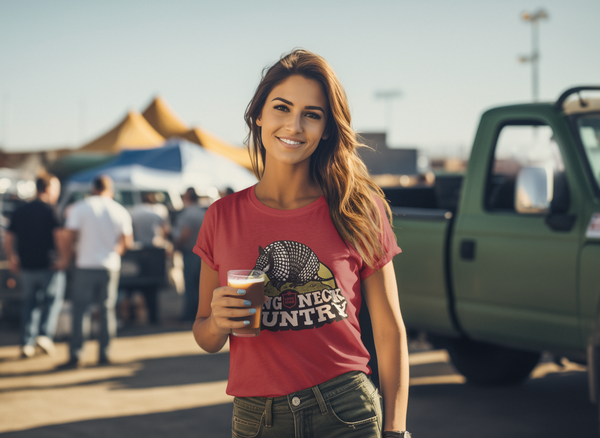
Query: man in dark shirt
{"type": "Point", "coordinates": [33, 230]}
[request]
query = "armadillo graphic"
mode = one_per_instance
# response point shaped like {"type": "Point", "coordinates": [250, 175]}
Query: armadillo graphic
{"type": "Point", "coordinates": [287, 261]}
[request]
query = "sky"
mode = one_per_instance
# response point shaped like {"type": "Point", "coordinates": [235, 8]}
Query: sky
{"type": "Point", "coordinates": [71, 69]}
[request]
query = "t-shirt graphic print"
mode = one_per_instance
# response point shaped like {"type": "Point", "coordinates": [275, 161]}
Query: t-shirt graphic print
{"type": "Point", "coordinates": [303, 293]}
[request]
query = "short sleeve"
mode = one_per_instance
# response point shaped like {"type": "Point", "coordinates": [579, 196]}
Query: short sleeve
{"type": "Point", "coordinates": [73, 221]}
{"type": "Point", "coordinates": [126, 225]}
{"type": "Point", "coordinates": [55, 220]}
{"type": "Point", "coordinates": [205, 244]}
{"type": "Point", "coordinates": [388, 239]}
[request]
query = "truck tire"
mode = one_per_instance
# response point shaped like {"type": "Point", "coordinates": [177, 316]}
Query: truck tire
{"type": "Point", "coordinates": [487, 364]}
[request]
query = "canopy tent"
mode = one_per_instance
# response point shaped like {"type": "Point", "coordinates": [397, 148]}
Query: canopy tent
{"type": "Point", "coordinates": [177, 165]}
{"type": "Point", "coordinates": [213, 143]}
{"type": "Point", "coordinates": [133, 132]}
{"type": "Point", "coordinates": [168, 124]}
{"type": "Point", "coordinates": [164, 120]}
{"type": "Point", "coordinates": [149, 130]}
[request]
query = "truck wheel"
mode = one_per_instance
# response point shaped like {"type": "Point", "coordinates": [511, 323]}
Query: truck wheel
{"type": "Point", "coordinates": [487, 364]}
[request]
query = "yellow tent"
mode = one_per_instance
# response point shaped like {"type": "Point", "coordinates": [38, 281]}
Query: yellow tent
{"type": "Point", "coordinates": [213, 143]}
{"type": "Point", "coordinates": [162, 118]}
{"type": "Point", "coordinates": [157, 123]}
{"type": "Point", "coordinates": [133, 132]}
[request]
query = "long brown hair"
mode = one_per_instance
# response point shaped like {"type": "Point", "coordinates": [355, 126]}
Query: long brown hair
{"type": "Point", "coordinates": [335, 165]}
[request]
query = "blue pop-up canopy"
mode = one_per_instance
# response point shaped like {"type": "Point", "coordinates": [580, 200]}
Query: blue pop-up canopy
{"type": "Point", "coordinates": [177, 165]}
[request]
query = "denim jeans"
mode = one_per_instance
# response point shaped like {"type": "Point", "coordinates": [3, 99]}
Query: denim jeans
{"type": "Point", "coordinates": [191, 277]}
{"type": "Point", "coordinates": [346, 406]}
{"type": "Point", "coordinates": [43, 296]}
{"type": "Point", "coordinates": [89, 286]}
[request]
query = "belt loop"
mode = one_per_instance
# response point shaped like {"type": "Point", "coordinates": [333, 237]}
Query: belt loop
{"type": "Point", "coordinates": [320, 400]}
{"type": "Point", "coordinates": [269, 412]}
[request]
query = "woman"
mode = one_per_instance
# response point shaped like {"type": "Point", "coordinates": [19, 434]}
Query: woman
{"type": "Point", "coordinates": [319, 228]}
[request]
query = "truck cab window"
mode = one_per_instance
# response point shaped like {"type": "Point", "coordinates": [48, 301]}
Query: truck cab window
{"type": "Point", "coordinates": [589, 132]}
{"type": "Point", "coordinates": [517, 146]}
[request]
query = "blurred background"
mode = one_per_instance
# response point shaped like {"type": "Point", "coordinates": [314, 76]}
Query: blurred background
{"type": "Point", "coordinates": [93, 85]}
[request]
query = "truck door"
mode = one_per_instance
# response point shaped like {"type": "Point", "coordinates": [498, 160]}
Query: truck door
{"type": "Point", "coordinates": [515, 274]}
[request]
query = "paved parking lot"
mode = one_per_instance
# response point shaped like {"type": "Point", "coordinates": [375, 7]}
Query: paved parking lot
{"type": "Point", "coordinates": [161, 385]}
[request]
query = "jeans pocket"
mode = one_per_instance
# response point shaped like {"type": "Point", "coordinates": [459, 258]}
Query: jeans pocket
{"type": "Point", "coordinates": [356, 407]}
{"type": "Point", "coordinates": [245, 423]}
{"type": "Point", "coordinates": [377, 401]}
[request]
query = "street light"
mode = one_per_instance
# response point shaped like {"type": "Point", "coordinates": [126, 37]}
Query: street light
{"type": "Point", "coordinates": [388, 96]}
{"type": "Point", "coordinates": [534, 19]}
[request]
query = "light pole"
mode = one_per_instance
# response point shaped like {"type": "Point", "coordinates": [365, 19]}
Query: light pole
{"type": "Point", "coordinates": [388, 96]}
{"type": "Point", "coordinates": [534, 58]}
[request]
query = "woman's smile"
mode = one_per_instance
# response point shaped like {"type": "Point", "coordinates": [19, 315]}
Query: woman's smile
{"type": "Point", "coordinates": [290, 142]}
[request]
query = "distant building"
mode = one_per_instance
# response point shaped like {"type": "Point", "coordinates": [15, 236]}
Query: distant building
{"type": "Point", "coordinates": [382, 160]}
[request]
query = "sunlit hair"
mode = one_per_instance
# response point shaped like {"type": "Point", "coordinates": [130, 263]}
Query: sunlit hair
{"type": "Point", "coordinates": [335, 165]}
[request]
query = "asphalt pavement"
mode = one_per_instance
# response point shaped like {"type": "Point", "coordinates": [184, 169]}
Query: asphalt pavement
{"type": "Point", "coordinates": [161, 385]}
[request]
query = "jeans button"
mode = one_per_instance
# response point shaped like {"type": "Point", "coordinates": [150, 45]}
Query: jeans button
{"type": "Point", "coordinates": [296, 401]}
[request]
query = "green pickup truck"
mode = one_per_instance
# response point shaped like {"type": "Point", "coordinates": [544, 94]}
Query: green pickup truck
{"type": "Point", "coordinates": [504, 263]}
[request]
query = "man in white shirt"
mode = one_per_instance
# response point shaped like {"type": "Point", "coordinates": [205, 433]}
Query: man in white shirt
{"type": "Point", "coordinates": [103, 232]}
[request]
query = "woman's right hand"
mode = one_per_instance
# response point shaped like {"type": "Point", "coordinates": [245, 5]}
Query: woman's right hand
{"type": "Point", "coordinates": [227, 303]}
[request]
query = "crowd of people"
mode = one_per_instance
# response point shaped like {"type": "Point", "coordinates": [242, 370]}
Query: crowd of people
{"type": "Point", "coordinates": [88, 241]}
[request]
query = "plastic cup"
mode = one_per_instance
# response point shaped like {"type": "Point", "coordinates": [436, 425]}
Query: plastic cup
{"type": "Point", "coordinates": [253, 282]}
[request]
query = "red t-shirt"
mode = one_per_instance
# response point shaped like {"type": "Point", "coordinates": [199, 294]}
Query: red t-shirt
{"type": "Point", "coordinates": [309, 330]}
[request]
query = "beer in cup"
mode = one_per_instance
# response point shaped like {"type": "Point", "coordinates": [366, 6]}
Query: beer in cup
{"type": "Point", "coordinates": [253, 282]}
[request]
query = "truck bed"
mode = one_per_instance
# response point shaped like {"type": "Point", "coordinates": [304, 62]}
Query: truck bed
{"type": "Point", "coordinates": [444, 194]}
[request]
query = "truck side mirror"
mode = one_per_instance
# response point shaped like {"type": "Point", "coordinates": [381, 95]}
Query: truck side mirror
{"type": "Point", "coordinates": [534, 190]}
